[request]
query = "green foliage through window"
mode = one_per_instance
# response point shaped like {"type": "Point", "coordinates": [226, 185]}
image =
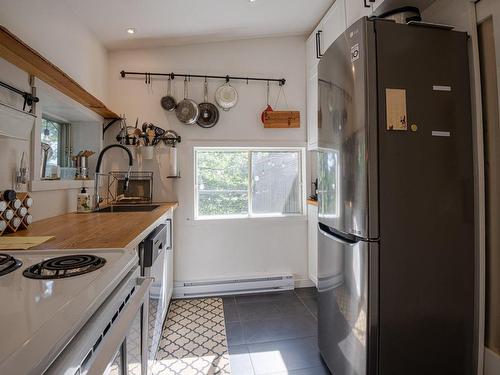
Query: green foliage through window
{"type": "Point", "coordinates": [247, 182]}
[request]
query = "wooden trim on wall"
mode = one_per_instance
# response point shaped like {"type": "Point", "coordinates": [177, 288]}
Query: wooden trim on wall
{"type": "Point", "coordinates": [15, 51]}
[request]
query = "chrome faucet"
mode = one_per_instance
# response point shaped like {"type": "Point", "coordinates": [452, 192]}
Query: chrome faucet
{"type": "Point", "coordinates": [98, 169]}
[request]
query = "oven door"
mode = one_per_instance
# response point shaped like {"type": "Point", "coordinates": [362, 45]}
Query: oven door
{"type": "Point", "coordinates": [123, 348]}
{"type": "Point", "coordinates": [157, 305]}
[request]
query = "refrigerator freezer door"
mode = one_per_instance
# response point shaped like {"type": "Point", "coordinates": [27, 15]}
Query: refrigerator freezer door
{"type": "Point", "coordinates": [427, 260]}
{"type": "Point", "coordinates": [343, 303]}
{"type": "Point", "coordinates": [347, 157]}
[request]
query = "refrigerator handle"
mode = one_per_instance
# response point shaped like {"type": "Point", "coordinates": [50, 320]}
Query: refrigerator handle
{"type": "Point", "coordinates": [337, 236]}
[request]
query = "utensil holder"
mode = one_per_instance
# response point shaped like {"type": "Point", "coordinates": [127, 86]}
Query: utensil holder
{"type": "Point", "coordinates": [147, 152]}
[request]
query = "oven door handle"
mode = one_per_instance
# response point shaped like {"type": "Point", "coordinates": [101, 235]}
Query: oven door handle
{"type": "Point", "coordinates": [114, 339]}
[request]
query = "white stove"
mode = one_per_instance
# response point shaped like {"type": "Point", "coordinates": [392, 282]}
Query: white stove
{"type": "Point", "coordinates": [47, 304]}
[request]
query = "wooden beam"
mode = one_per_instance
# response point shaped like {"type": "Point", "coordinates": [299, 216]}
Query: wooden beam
{"type": "Point", "coordinates": [15, 51]}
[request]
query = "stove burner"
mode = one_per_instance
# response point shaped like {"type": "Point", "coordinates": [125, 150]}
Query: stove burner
{"type": "Point", "coordinates": [65, 266]}
{"type": "Point", "coordinates": [8, 264]}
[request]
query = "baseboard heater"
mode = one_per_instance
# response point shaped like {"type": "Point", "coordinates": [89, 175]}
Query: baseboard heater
{"type": "Point", "coordinates": [207, 288]}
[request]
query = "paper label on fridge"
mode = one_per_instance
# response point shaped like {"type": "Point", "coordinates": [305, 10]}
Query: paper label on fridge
{"type": "Point", "coordinates": [395, 101]}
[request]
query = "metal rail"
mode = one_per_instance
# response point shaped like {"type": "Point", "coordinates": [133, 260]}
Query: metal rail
{"type": "Point", "coordinates": [28, 98]}
{"type": "Point", "coordinates": [148, 75]}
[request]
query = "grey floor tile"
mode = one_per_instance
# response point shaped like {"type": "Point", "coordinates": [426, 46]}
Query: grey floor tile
{"type": "Point", "coordinates": [307, 371]}
{"type": "Point", "coordinates": [228, 300]}
{"type": "Point", "coordinates": [270, 309]}
{"type": "Point", "coordinates": [265, 297]}
{"type": "Point", "coordinates": [240, 361]}
{"type": "Point", "coordinates": [312, 305]}
{"type": "Point", "coordinates": [284, 356]}
{"type": "Point", "coordinates": [306, 292]}
{"type": "Point", "coordinates": [234, 333]}
{"type": "Point", "coordinates": [293, 326]}
{"type": "Point", "coordinates": [322, 370]}
{"type": "Point", "coordinates": [231, 313]}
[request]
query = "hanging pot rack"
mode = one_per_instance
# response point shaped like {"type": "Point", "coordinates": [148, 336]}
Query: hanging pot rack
{"type": "Point", "coordinates": [148, 75]}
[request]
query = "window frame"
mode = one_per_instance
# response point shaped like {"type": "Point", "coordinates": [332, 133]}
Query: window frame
{"type": "Point", "coordinates": [302, 180]}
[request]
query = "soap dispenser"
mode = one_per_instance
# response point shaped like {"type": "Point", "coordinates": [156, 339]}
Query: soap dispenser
{"type": "Point", "coordinates": [84, 201]}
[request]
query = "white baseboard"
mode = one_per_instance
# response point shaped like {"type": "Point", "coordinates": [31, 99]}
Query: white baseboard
{"type": "Point", "coordinates": [491, 362]}
{"type": "Point", "coordinates": [232, 286]}
{"type": "Point", "coordinates": [304, 283]}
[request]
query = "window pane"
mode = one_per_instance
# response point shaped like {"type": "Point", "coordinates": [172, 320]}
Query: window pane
{"type": "Point", "coordinates": [276, 183]}
{"type": "Point", "coordinates": [50, 135]}
{"type": "Point", "coordinates": [222, 178]}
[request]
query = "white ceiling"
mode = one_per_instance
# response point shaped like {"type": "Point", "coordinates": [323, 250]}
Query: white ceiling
{"type": "Point", "coordinates": [171, 22]}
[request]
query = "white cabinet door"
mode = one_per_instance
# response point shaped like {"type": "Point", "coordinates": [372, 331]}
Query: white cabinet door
{"type": "Point", "coordinates": [312, 242]}
{"type": "Point", "coordinates": [312, 108]}
{"type": "Point", "coordinates": [333, 24]}
{"type": "Point", "coordinates": [312, 59]}
{"type": "Point", "coordinates": [356, 9]}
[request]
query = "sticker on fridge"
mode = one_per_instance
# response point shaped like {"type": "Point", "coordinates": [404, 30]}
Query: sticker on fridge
{"type": "Point", "coordinates": [355, 52]}
{"type": "Point", "coordinates": [395, 101]}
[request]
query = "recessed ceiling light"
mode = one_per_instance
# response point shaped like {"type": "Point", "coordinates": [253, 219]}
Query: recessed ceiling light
{"type": "Point", "coordinates": [252, 1]}
{"type": "Point", "coordinates": [131, 30]}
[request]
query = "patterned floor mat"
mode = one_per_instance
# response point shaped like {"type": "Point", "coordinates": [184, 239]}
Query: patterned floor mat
{"type": "Point", "coordinates": [194, 339]}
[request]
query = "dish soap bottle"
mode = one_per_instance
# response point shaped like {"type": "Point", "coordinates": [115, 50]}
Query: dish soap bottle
{"type": "Point", "coordinates": [84, 202]}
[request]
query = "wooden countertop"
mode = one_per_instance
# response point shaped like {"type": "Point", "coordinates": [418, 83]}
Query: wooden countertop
{"type": "Point", "coordinates": [96, 230]}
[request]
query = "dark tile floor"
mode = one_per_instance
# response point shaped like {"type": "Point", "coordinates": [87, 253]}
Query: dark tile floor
{"type": "Point", "coordinates": [274, 333]}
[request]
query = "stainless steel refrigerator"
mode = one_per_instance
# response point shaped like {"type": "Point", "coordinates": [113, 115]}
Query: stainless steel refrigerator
{"type": "Point", "coordinates": [396, 255]}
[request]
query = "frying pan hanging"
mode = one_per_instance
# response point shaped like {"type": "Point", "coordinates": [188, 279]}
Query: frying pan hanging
{"type": "Point", "coordinates": [209, 114]}
{"type": "Point", "coordinates": [168, 102]}
{"type": "Point", "coordinates": [187, 110]}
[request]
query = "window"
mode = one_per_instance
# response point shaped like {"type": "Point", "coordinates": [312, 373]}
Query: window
{"type": "Point", "coordinates": [247, 182]}
{"type": "Point", "coordinates": [51, 135]}
{"type": "Point", "coordinates": [56, 143]}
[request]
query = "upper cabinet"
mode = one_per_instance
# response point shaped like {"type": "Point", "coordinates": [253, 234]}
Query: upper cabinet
{"type": "Point", "coordinates": [356, 9]}
{"type": "Point", "coordinates": [332, 25]}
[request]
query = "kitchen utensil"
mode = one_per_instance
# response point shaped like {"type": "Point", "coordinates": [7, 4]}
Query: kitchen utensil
{"type": "Point", "coordinates": [226, 96]}
{"type": "Point", "coordinates": [268, 107]}
{"type": "Point", "coordinates": [168, 102]}
{"type": "Point", "coordinates": [150, 134]}
{"type": "Point", "coordinates": [121, 137]}
{"type": "Point", "coordinates": [187, 110]}
{"type": "Point", "coordinates": [209, 114]}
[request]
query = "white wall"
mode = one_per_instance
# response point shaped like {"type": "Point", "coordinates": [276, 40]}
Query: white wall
{"type": "Point", "coordinates": [226, 248]}
{"type": "Point", "coordinates": [50, 28]}
{"type": "Point", "coordinates": [49, 202]}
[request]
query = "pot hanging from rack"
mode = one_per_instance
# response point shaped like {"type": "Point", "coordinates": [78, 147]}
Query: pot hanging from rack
{"type": "Point", "coordinates": [187, 110]}
{"type": "Point", "coordinates": [209, 114]}
{"type": "Point", "coordinates": [168, 102]}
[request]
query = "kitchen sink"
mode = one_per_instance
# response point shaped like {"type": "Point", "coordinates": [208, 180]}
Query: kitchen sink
{"type": "Point", "coordinates": [129, 208]}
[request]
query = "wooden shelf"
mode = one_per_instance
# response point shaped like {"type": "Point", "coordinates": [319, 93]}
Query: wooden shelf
{"type": "Point", "coordinates": [24, 57]}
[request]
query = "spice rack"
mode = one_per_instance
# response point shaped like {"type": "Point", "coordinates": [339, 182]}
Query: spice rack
{"type": "Point", "coordinates": [16, 216]}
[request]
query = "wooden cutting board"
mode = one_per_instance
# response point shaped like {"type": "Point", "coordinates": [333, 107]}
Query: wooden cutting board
{"type": "Point", "coordinates": [22, 243]}
{"type": "Point", "coordinates": [281, 119]}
